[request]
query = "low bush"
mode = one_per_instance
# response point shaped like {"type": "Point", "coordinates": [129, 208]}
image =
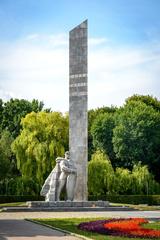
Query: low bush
{"type": "Point", "coordinates": [129, 199]}
{"type": "Point", "coordinates": [14, 198]}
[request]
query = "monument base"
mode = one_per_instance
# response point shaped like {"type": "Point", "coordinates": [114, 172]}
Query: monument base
{"type": "Point", "coordinates": [68, 204]}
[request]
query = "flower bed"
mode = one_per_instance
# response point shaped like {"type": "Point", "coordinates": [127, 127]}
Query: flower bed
{"type": "Point", "coordinates": [121, 227]}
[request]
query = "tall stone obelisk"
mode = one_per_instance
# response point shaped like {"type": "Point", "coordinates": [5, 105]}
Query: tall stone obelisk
{"type": "Point", "coordinates": [78, 106]}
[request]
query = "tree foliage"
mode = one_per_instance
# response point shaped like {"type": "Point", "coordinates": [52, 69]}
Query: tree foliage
{"type": "Point", "coordinates": [144, 182]}
{"type": "Point", "coordinates": [44, 136]}
{"type": "Point", "coordinates": [100, 174]}
{"type": "Point", "coordinates": [126, 139]}
{"type": "Point", "coordinates": [14, 110]}
{"type": "Point", "coordinates": [103, 179]}
{"type": "Point", "coordinates": [92, 117]}
{"type": "Point", "coordinates": [11, 113]}
{"type": "Point", "coordinates": [6, 165]}
{"type": "Point", "coordinates": [102, 132]}
{"type": "Point", "coordinates": [136, 136]}
{"type": "Point", "coordinates": [148, 100]}
{"type": "Point", "coordinates": [123, 181]}
{"type": "Point", "coordinates": [19, 186]}
{"type": "Point", "coordinates": [1, 112]}
{"type": "Point", "coordinates": [130, 134]}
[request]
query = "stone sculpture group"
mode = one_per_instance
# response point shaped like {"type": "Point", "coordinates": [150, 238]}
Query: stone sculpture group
{"type": "Point", "coordinates": [62, 176]}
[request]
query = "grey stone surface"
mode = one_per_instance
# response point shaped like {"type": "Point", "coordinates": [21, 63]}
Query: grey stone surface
{"type": "Point", "coordinates": [25, 230]}
{"type": "Point", "coordinates": [78, 214]}
{"type": "Point", "coordinates": [68, 204]}
{"type": "Point", "coordinates": [63, 175]}
{"type": "Point", "coordinates": [78, 102]}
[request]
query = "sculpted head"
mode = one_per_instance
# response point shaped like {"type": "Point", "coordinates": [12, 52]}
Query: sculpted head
{"type": "Point", "coordinates": [67, 155]}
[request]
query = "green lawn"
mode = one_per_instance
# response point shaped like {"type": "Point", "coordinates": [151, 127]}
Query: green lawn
{"type": "Point", "coordinates": [141, 207]}
{"type": "Point", "coordinates": [70, 224]}
{"type": "Point", "coordinates": [14, 204]}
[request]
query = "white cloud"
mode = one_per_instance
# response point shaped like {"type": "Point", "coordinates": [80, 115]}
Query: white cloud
{"type": "Point", "coordinates": [6, 95]}
{"type": "Point", "coordinates": [97, 41]}
{"type": "Point", "coordinates": [118, 73]}
{"type": "Point", "coordinates": [37, 67]}
{"type": "Point", "coordinates": [32, 36]}
{"type": "Point", "coordinates": [48, 41]}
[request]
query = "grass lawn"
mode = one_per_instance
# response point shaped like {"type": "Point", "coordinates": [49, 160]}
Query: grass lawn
{"type": "Point", "coordinates": [14, 204]}
{"type": "Point", "coordinates": [70, 224]}
{"type": "Point", "coordinates": [141, 207]}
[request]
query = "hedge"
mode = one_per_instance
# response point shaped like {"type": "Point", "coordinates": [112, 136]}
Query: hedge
{"type": "Point", "coordinates": [129, 199]}
{"type": "Point", "coordinates": [14, 198]}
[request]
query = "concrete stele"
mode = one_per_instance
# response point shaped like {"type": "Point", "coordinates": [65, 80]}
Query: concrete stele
{"type": "Point", "coordinates": [78, 106]}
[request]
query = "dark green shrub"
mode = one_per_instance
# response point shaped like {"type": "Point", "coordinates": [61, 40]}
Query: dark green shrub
{"type": "Point", "coordinates": [129, 199]}
{"type": "Point", "coordinates": [14, 198]}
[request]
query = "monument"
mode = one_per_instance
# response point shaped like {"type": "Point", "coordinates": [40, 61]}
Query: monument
{"type": "Point", "coordinates": [71, 173]}
{"type": "Point", "coordinates": [76, 183]}
{"type": "Point", "coordinates": [78, 100]}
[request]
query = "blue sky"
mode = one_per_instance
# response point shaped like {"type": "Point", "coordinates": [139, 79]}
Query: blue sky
{"type": "Point", "coordinates": [124, 49]}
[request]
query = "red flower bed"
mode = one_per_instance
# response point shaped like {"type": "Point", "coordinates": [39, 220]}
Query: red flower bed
{"type": "Point", "coordinates": [132, 228]}
{"type": "Point", "coordinates": [121, 227]}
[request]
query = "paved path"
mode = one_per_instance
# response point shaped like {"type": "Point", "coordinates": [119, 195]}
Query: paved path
{"type": "Point", "coordinates": [107, 214]}
{"type": "Point", "coordinates": [14, 227]}
{"type": "Point", "coordinates": [24, 230]}
{"type": "Point", "coordinates": [19, 229]}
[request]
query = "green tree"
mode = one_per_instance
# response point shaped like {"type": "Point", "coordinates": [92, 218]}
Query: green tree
{"type": "Point", "coordinates": [92, 115]}
{"type": "Point", "coordinates": [148, 100]}
{"type": "Point", "coordinates": [102, 133]}
{"type": "Point", "coordinates": [143, 181]}
{"type": "Point", "coordinates": [136, 136]}
{"type": "Point", "coordinates": [100, 175]}
{"type": "Point", "coordinates": [123, 182]}
{"type": "Point", "coordinates": [6, 165]}
{"type": "Point", "coordinates": [11, 113]}
{"type": "Point", "coordinates": [1, 112]}
{"type": "Point", "coordinates": [44, 136]}
{"type": "Point", "coordinates": [137, 181]}
{"type": "Point", "coordinates": [14, 110]}
{"type": "Point", "coordinates": [22, 186]}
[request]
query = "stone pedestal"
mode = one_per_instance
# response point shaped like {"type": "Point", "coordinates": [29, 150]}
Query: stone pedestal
{"type": "Point", "coordinates": [69, 205]}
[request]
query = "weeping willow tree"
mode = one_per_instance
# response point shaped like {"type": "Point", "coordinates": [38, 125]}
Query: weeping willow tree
{"type": "Point", "coordinates": [143, 181]}
{"type": "Point", "coordinates": [100, 175]}
{"type": "Point", "coordinates": [103, 179]}
{"type": "Point", "coordinates": [123, 181]}
{"type": "Point", "coordinates": [44, 136]}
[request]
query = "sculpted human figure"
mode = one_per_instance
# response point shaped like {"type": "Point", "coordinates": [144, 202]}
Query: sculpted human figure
{"type": "Point", "coordinates": [68, 175]}
{"type": "Point", "coordinates": [49, 188]}
{"type": "Point", "coordinates": [63, 175]}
